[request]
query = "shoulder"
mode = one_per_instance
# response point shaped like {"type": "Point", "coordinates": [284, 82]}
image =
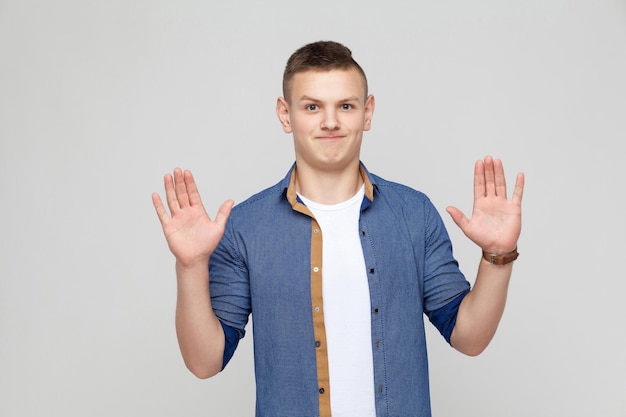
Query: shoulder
{"type": "Point", "coordinates": [262, 210]}
{"type": "Point", "coordinates": [264, 203]}
{"type": "Point", "coordinates": [268, 197]}
{"type": "Point", "coordinates": [387, 189]}
{"type": "Point", "coordinates": [402, 202]}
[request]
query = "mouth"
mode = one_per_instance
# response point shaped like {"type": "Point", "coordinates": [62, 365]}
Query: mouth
{"type": "Point", "coordinates": [330, 137]}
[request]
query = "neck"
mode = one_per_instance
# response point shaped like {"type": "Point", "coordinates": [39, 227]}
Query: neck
{"type": "Point", "coordinates": [328, 187]}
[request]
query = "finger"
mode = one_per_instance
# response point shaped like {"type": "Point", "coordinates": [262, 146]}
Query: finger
{"type": "Point", "coordinates": [224, 212]}
{"type": "Point", "coordinates": [490, 183]}
{"type": "Point", "coordinates": [170, 193]}
{"type": "Point", "coordinates": [181, 188]}
{"type": "Point", "coordinates": [192, 189]}
{"type": "Point", "coordinates": [499, 179]}
{"type": "Point", "coordinates": [160, 210]}
{"type": "Point", "coordinates": [479, 179]}
{"type": "Point", "coordinates": [518, 192]}
{"type": "Point", "coordinates": [458, 217]}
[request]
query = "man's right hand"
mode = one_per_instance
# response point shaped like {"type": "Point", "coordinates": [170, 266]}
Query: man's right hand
{"type": "Point", "coordinates": [190, 233]}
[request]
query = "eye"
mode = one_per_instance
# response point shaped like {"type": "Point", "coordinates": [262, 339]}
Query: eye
{"type": "Point", "coordinates": [312, 107]}
{"type": "Point", "coordinates": [346, 106]}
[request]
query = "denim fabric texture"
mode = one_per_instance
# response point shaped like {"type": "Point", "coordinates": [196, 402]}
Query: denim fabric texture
{"type": "Point", "coordinates": [262, 269]}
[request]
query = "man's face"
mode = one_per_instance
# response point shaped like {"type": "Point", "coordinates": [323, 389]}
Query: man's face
{"type": "Point", "coordinates": [327, 112]}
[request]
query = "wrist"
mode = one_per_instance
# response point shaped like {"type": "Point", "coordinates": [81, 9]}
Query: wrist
{"type": "Point", "coordinates": [192, 265]}
{"type": "Point", "coordinates": [501, 258]}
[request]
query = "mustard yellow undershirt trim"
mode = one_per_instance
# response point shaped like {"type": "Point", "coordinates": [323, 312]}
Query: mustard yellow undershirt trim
{"type": "Point", "coordinates": [317, 301]}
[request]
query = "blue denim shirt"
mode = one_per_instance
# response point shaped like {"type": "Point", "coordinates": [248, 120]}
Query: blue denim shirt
{"type": "Point", "coordinates": [268, 265]}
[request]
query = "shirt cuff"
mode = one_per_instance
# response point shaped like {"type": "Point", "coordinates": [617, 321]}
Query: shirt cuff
{"type": "Point", "coordinates": [444, 318]}
{"type": "Point", "coordinates": [231, 339]}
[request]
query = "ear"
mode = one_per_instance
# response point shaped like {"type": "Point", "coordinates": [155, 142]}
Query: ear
{"type": "Point", "coordinates": [370, 104]}
{"type": "Point", "coordinates": [282, 111]}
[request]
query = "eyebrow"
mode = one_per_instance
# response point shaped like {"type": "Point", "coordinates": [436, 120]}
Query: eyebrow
{"type": "Point", "coordinates": [307, 98]}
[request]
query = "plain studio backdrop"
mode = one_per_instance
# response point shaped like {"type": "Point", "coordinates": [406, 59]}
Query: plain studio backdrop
{"type": "Point", "coordinates": [99, 99]}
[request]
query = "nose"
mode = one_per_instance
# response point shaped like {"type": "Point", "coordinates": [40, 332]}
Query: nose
{"type": "Point", "coordinates": [330, 121]}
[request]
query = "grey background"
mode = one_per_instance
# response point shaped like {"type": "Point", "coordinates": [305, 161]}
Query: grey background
{"type": "Point", "coordinates": [99, 99]}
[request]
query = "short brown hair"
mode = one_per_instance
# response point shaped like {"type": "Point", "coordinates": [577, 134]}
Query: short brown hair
{"type": "Point", "coordinates": [319, 56]}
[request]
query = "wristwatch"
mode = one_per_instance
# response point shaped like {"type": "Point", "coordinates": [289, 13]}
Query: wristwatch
{"type": "Point", "coordinates": [501, 258]}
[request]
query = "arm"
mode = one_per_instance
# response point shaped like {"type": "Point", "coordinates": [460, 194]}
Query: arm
{"type": "Point", "coordinates": [192, 237]}
{"type": "Point", "coordinates": [495, 226]}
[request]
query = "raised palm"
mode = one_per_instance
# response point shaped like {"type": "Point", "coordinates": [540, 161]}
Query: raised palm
{"type": "Point", "coordinates": [190, 233]}
{"type": "Point", "coordinates": [496, 222]}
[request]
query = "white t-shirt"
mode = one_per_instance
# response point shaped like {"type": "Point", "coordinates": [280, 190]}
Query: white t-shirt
{"type": "Point", "coordinates": [346, 308]}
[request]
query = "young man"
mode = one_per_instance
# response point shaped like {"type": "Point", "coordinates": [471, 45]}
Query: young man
{"type": "Point", "coordinates": [336, 265]}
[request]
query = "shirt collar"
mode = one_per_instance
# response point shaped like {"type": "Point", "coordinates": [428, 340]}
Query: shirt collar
{"type": "Point", "coordinates": [289, 183]}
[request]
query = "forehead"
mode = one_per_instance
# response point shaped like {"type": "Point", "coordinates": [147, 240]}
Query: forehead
{"type": "Point", "coordinates": [321, 84]}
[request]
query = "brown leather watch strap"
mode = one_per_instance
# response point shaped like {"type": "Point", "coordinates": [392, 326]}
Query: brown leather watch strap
{"type": "Point", "coordinates": [501, 259]}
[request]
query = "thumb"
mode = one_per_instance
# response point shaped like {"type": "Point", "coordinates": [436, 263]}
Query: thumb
{"type": "Point", "coordinates": [457, 216]}
{"type": "Point", "coordinates": [224, 212]}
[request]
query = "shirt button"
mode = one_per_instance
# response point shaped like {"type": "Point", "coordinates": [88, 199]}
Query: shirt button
{"type": "Point", "coordinates": [317, 343]}
{"type": "Point", "coordinates": [376, 311]}
{"type": "Point", "coordinates": [316, 269]}
{"type": "Point", "coordinates": [322, 390]}
{"type": "Point", "coordinates": [316, 230]}
{"type": "Point", "coordinates": [317, 309]}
